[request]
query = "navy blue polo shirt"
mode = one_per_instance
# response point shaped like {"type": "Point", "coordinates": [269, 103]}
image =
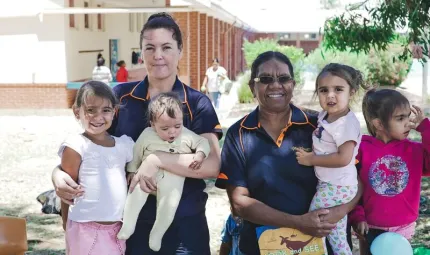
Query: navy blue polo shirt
{"type": "Point", "coordinates": [269, 169]}
{"type": "Point", "coordinates": [199, 116]}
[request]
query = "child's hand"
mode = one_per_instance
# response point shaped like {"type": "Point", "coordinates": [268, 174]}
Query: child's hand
{"type": "Point", "coordinates": [362, 229]}
{"type": "Point", "coordinates": [130, 177]}
{"type": "Point", "coordinates": [303, 157]}
{"type": "Point", "coordinates": [64, 225]}
{"type": "Point", "coordinates": [197, 160]}
{"type": "Point", "coordinates": [418, 118]}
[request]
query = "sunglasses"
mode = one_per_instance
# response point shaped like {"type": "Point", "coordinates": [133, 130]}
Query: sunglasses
{"type": "Point", "coordinates": [266, 80]}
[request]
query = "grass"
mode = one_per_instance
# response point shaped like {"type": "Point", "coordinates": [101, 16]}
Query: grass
{"type": "Point", "coordinates": [43, 231]}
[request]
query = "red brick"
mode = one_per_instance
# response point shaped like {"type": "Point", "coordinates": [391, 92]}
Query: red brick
{"type": "Point", "coordinates": [194, 39]}
{"type": "Point", "coordinates": [34, 96]}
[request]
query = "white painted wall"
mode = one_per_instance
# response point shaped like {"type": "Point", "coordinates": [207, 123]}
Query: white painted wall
{"type": "Point", "coordinates": [31, 51]}
{"type": "Point", "coordinates": [116, 26]}
{"type": "Point", "coordinates": [35, 50]}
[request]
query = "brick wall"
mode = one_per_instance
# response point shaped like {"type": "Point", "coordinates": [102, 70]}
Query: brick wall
{"type": "Point", "coordinates": [211, 38]}
{"type": "Point", "coordinates": [194, 39]}
{"type": "Point", "coordinates": [182, 18]}
{"type": "Point", "coordinates": [35, 96]}
{"type": "Point", "coordinates": [217, 38]}
{"type": "Point", "coordinates": [203, 47]}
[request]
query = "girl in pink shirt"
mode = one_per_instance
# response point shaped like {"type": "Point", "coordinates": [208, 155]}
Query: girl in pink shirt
{"type": "Point", "coordinates": [390, 166]}
{"type": "Point", "coordinates": [335, 146]}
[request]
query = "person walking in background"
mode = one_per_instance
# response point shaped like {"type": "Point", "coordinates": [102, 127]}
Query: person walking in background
{"type": "Point", "coordinates": [230, 236]}
{"type": "Point", "coordinates": [214, 76]}
{"type": "Point", "coordinates": [101, 72]}
{"type": "Point", "coordinates": [122, 73]}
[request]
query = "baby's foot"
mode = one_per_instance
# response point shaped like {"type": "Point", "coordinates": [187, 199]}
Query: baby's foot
{"type": "Point", "coordinates": [154, 243]}
{"type": "Point", "coordinates": [125, 233]}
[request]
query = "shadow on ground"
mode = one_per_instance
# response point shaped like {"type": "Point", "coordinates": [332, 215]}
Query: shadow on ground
{"type": "Point", "coordinates": [44, 232]}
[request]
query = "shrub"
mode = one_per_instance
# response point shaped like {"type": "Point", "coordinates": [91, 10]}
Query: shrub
{"type": "Point", "coordinates": [244, 93]}
{"type": "Point", "coordinates": [380, 68]}
{"type": "Point", "coordinates": [296, 55]}
{"type": "Point", "coordinates": [320, 58]}
{"type": "Point", "coordinates": [386, 69]}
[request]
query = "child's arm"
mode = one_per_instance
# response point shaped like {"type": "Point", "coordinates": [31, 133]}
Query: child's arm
{"type": "Point", "coordinates": [198, 143]}
{"type": "Point", "coordinates": [226, 240]}
{"type": "Point", "coordinates": [340, 158]}
{"type": "Point", "coordinates": [225, 248]}
{"type": "Point", "coordinates": [138, 150]}
{"type": "Point", "coordinates": [201, 147]}
{"type": "Point", "coordinates": [424, 129]}
{"type": "Point", "coordinates": [70, 162]}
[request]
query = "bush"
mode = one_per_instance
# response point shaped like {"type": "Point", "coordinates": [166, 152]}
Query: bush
{"type": "Point", "coordinates": [320, 58]}
{"type": "Point", "coordinates": [244, 93]}
{"type": "Point", "coordinates": [296, 55]}
{"type": "Point", "coordinates": [386, 69]}
{"type": "Point", "coordinates": [380, 68]}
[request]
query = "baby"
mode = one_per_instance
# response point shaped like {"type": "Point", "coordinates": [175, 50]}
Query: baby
{"type": "Point", "coordinates": [167, 134]}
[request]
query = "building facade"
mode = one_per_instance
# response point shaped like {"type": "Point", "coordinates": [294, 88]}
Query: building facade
{"type": "Point", "coordinates": [48, 44]}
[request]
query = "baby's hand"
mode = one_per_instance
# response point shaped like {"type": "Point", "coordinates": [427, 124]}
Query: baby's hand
{"type": "Point", "coordinates": [130, 177]}
{"type": "Point", "coordinates": [197, 160]}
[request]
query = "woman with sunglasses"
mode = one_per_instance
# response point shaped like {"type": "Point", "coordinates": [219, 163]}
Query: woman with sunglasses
{"type": "Point", "coordinates": [259, 169]}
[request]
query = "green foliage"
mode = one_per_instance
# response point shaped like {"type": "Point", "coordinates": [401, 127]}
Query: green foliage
{"type": "Point", "coordinates": [385, 68]}
{"type": "Point", "coordinates": [357, 32]}
{"type": "Point", "coordinates": [244, 92]}
{"type": "Point", "coordinates": [320, 58]}
{"type": "Point", "coordinates": [296, 55]}
{"type": "Point", "coordinates": [379, 67]}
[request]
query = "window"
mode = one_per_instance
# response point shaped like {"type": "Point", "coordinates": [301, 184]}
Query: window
{"type": "Point", "coordinates": [71, 16]}
{"type": "Point", "coordinates": [86, 17]}
{"type": "Point", "coordinates": [99, 20]}
{"type": "Point", "coordinates": [314, 36]}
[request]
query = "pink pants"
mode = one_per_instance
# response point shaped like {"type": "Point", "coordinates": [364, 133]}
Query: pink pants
{"type": "Point", "coordinates": [407, 231]}
{"type": "Point", "coordinates": [91, 238]}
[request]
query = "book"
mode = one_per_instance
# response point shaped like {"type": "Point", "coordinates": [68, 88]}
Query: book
{"type": "Point", "coordinates": [288, 241]}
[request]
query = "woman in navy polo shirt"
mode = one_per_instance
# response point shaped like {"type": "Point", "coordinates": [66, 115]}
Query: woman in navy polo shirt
{"type": "Point", "coordinates": [259, 169]}
{"type": "Point", "coordinates": [161, 43]}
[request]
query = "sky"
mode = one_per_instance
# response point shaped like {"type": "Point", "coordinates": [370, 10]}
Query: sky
{"type": "Point", "coordinates": [282, 15]}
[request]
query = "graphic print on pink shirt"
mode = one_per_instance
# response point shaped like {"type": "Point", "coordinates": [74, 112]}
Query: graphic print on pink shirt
{"type": "Point", "coordinates": [389, 175]}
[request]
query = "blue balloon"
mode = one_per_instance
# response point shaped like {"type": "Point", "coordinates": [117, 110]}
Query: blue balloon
{"type": "Point", "coordinates": [390, 243]}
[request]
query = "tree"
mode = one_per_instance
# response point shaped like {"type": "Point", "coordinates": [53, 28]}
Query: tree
{"type": "Point", "coordinates": [358, 32]}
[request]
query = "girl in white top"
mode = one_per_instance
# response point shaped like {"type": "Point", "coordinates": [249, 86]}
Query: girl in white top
{"type": "Point", "coordinates": [214, 76]}
{"type": "Point", "coordinates": [101, 72]}
{"type": "Point", "coordinates": [335, 146]}
{"type": "Point", "coordinates": [96, 161]}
